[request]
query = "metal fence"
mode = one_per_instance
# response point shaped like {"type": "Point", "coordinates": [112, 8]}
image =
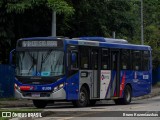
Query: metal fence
{"type": "Point", "coordinates": [6, 81]}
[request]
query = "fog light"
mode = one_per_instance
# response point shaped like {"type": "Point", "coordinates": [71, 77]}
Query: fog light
{"type": "Point", "coordinates": [55, 88]}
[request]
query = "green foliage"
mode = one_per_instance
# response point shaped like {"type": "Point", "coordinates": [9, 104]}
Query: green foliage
{"type": "Point", "coordinates": [17, 17]}
{"type": "Point", "coordinates": [19, 6]}
{"type": "Point", "coordinates": [60, 6]}
{"type": "Point", "coordinates": [152, 28]}
{"type": "Point", "coordinates": [26, 18]}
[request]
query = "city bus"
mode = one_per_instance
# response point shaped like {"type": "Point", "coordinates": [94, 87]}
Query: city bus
{"type": "Point", "coordinates": [81, 70]}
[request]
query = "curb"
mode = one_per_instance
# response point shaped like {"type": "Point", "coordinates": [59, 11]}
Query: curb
{"type": "Point", "coordinates": [147, 96]}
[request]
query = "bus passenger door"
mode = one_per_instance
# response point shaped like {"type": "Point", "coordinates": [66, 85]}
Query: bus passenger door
{"type": "Point", "coordinates": [95, 66]}
{"type": "Point", "coordinates": [115, 77]}
{"type": "Point", "coordinates": [72, 82]}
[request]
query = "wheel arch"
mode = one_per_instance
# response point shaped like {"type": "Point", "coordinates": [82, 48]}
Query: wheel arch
{"type": "Point", "coordinates": [129, 84]}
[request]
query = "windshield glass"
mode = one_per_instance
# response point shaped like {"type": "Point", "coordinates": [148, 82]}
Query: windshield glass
{"type": "Point", "coordinates": [40, 63]}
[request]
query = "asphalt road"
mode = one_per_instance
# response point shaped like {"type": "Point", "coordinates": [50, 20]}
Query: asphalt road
{"type": "Point", "coordinates": [102, 111]}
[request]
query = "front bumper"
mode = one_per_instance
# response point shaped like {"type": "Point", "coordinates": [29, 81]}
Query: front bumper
{"type": "Point", "coordinates": [57, 95]}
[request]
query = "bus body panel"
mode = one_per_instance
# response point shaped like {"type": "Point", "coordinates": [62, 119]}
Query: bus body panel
{"type": "Point", "coordinates": [102, 84]}
{"type": "Point", "coordinates": [58, 95]}
{"type": "Point", "coordinates": [28, 91]}
{"type": "Point", "coordinates": [72, 87]}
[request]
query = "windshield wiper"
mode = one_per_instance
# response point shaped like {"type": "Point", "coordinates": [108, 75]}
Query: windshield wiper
{"type": "Point", "coordinates": [45, 58]}
{"type": "Point", "coordinates": [34, 62]}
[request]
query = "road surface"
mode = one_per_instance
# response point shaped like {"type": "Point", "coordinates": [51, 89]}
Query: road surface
{"type": "Point", "coordinates": [101, 111]}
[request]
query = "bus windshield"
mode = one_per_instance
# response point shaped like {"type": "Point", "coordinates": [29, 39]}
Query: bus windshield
{"type": "Point", "coordinates": [40, 63]}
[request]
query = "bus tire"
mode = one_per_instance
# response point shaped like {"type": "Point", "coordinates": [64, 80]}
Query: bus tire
{"type": "Point", "coordinates": [126, 97]}
{"type": "Point", "coordinates": [83, 98]}
{"type": "Point", "coordinates": [40, 103]}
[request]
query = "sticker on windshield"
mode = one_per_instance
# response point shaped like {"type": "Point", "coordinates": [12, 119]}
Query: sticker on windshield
{"type": "Point", "coordinates": [38, 74]}
{"type": "Point", "coordinates": [24, 71]}
{"type": "Point", "coordinates": [34, 73]}
{"type": "Point", "coordinates": [45, 73]}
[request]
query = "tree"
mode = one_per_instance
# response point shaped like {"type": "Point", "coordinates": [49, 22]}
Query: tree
{"type": "Point", "coordinates": [100, 18]}
{"type": "Point", "coordinates": [152, 28]}
{"type": "Point", "coordinates": [11, 13]}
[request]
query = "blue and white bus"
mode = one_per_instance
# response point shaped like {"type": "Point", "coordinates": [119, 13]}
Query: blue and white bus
{"type": "Point", "coordinates": [82, 70]}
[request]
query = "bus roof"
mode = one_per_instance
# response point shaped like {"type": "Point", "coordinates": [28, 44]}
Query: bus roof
{"type": "Point", "coordinates": [102, 39]}
{"type": "Point", "coordinates": [107, 44]}
{"type": "Point", "coordinates": [95, 41]}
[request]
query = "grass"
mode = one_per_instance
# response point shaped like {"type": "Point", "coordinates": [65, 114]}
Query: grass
{"type": "Point", "coordinates": [7, 99]}
{"type": "Point", "coordinates": [157, 84]}
{"type": "Point", "coordinates": [20, 110]}
{"type": "Point", "coordinates": [4, 118]}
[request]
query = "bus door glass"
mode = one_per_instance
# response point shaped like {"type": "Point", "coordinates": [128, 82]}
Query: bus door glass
{"type": "Point", "coordinates": [115, 77]}
{"type": "Point", "coordinates": [95, 66]}
{"type": "Point", "coordinates": [105, 74]}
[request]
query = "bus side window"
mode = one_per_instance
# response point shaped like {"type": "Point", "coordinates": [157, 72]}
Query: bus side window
{"type": "Point", "coordinates": [84, 57]}
{"type": "Point", "coordinates": [136, 60]}
{"type": "Point", "coordinates": [145, 63]}
{"type": "Point", "coordinates": [125, 59]}
{"type": "Point", "coordinates": [74, 60]}
{"type": "Point", "coordinates": [105, 59]}
{"type": "Point", "coordinates": [72, 57]}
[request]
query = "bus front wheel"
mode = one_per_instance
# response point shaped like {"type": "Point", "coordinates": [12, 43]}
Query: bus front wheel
{"type": "Point", "coordinates": [40, 103]}
{"type": "Point", "coordinates": [83, 98]}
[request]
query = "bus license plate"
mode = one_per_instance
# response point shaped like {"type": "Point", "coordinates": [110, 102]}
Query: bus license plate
{"type": "Point", "coordinates": [35, 94]}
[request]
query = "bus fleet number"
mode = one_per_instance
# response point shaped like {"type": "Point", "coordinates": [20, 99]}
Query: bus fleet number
{"type": "Point", "coordinates": [46, 88]}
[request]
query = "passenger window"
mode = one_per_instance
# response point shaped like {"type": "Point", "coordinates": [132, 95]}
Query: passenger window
{"type": "Point", "coordinates": [145, 63]}
{"type": "Point", "coordinates": [84, 58]}
{"type": "Point", "coordinates": [136, 60]}
{"type": "Point", "coordinates": [74, 60]}
{"type": "Point", "coordinates": [125, 59]}
{"type": "Point", "coordinates": [105, 59]}
{"type": "Point", "coordinates": [72, 55]}
{"type": "Point", "coordinates": [94, 59]}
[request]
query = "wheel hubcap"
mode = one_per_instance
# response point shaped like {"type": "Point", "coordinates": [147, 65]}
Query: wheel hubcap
{"type": "Point", "coordinates": [128, 95]}
{"type": "Point", "coordinates": [82, 97]}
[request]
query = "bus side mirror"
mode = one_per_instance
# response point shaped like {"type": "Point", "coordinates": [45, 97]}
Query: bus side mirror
{"type": "Point", "coordinates": [74, 56]}
{"type": "Point", "coordinates": [11, 57]}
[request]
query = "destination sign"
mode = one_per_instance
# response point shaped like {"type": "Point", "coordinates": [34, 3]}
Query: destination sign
{"type": "Point", "coordinates": [39, 44]}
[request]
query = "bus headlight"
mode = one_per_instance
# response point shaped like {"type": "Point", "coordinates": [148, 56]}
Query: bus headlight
{"type": "Point", "coordinates": [16, 87]}
{"type": "Point", "coordinates": [58, 87]}
{"type": "Point", "coordinates": [61, 85]}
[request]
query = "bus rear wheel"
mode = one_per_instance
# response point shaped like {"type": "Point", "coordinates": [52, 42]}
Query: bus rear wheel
{"type": "Point", "coordinates": [127, 97]}
{"type": "Point", "coordinates": [40, 103]}
{"type": "Point", "coordinates": [83, 98]}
